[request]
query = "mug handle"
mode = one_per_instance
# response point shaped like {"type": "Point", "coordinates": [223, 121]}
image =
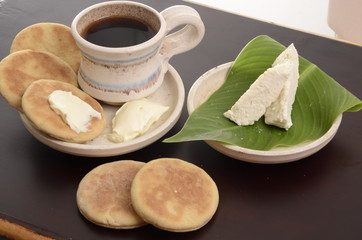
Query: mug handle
{"type": "Point", "coordinates": [186, 38]}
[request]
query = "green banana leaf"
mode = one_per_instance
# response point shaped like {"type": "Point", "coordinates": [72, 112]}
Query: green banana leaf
{"type": "Point", "coordinates": [319, 101]}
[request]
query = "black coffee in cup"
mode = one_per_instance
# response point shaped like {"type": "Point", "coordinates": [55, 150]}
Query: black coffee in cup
{"type": "Point", "coordinates": [118, 31]}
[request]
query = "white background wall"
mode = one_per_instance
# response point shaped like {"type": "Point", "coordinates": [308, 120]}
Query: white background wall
{"type": "Point", "coordinates": [306, 15]}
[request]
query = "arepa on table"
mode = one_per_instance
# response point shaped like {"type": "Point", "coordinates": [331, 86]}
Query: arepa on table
{"type": "Point", "coordinates": [174, 195]}
{"type": "Point", "coordinates": [104, 195]}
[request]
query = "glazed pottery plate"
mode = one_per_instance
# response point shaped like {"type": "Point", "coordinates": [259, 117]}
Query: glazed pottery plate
{"type": "Point", "coordinates": [171, 93]}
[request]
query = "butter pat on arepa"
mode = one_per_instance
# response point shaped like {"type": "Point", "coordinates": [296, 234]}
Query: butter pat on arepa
{"type": "Point", "coordinates": [104, 195]}
{"type": "Point", "coordinates": [174, 195]}
{"type": "Point", "coordinates": [18, 70]}
{"type": "Point", "coordinates": [37, 108]}
{"type": "Point", "coordinates": [49, 37]}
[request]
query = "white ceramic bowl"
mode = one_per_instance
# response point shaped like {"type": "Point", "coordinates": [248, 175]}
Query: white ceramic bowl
{"type": "Point", "coordinates": [208, 83]}
{"type": "Point", "coordinates": [171, 93]}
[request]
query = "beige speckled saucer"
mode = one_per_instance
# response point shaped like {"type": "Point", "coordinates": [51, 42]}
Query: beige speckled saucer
{"type": "Point", "coordinates": [171, 93]}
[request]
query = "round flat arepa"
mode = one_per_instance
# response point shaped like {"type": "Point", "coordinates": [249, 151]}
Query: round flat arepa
{"type": "Point", "coordinates": [174, 195]}
{"type": "Point", "coordinates": [18, 70]}
{"type": "Point", "coordinates": [36, 107]}
{"type": "Point", "coordinates": [104, 195]}
{"type": "Point", "coordinates": [49, 37]}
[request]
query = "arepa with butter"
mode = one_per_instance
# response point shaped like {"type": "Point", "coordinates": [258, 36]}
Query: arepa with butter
{"type": "Point", "coordinates": [50, 120]}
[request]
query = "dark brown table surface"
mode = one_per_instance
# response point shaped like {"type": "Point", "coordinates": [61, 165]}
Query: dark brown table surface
{"type": "Point", "coordinates": [319, 197]}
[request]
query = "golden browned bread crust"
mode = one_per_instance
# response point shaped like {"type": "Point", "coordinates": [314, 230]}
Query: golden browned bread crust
{"type": "Point", "coordinates": [104, 195]}
{"type": "Point", "coordinates": [20, 69]}
{"type": "Point", "coordinates": [37, 109]}
{"type": "Point", "coordinates": [49, 37]}
{"type": "Point", "coordinates": [174, 195]}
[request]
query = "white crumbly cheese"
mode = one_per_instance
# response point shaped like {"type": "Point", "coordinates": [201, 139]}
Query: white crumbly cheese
{"type": "Point", "coordinates": [271, 95]}
{"type": "Point", "coordinates": [73, 110]}
{"type": "Point", "coordinates": [252, 105]}
{"type": "Point", "coordinates": [279, 112]}
{"type": "Point", "coordinates": [134, 118]}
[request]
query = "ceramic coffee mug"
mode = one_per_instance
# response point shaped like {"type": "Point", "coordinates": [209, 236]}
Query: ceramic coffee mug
{"type": "Point", "coordinates": [119, 74]}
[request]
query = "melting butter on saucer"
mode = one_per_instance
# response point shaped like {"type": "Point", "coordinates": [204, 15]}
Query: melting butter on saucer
{"type": "Point", "coordinates": [134, 118]}
{"type": "Point", "coordinates": [73, 110]}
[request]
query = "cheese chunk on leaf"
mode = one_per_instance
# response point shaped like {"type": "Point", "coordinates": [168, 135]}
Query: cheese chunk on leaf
{"type": "Point", "coordinates": [279, 113]}
{"type": "Point", "coordinates": [252, 105]}
{"type": "Point", "coordinates": [272, 94]}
